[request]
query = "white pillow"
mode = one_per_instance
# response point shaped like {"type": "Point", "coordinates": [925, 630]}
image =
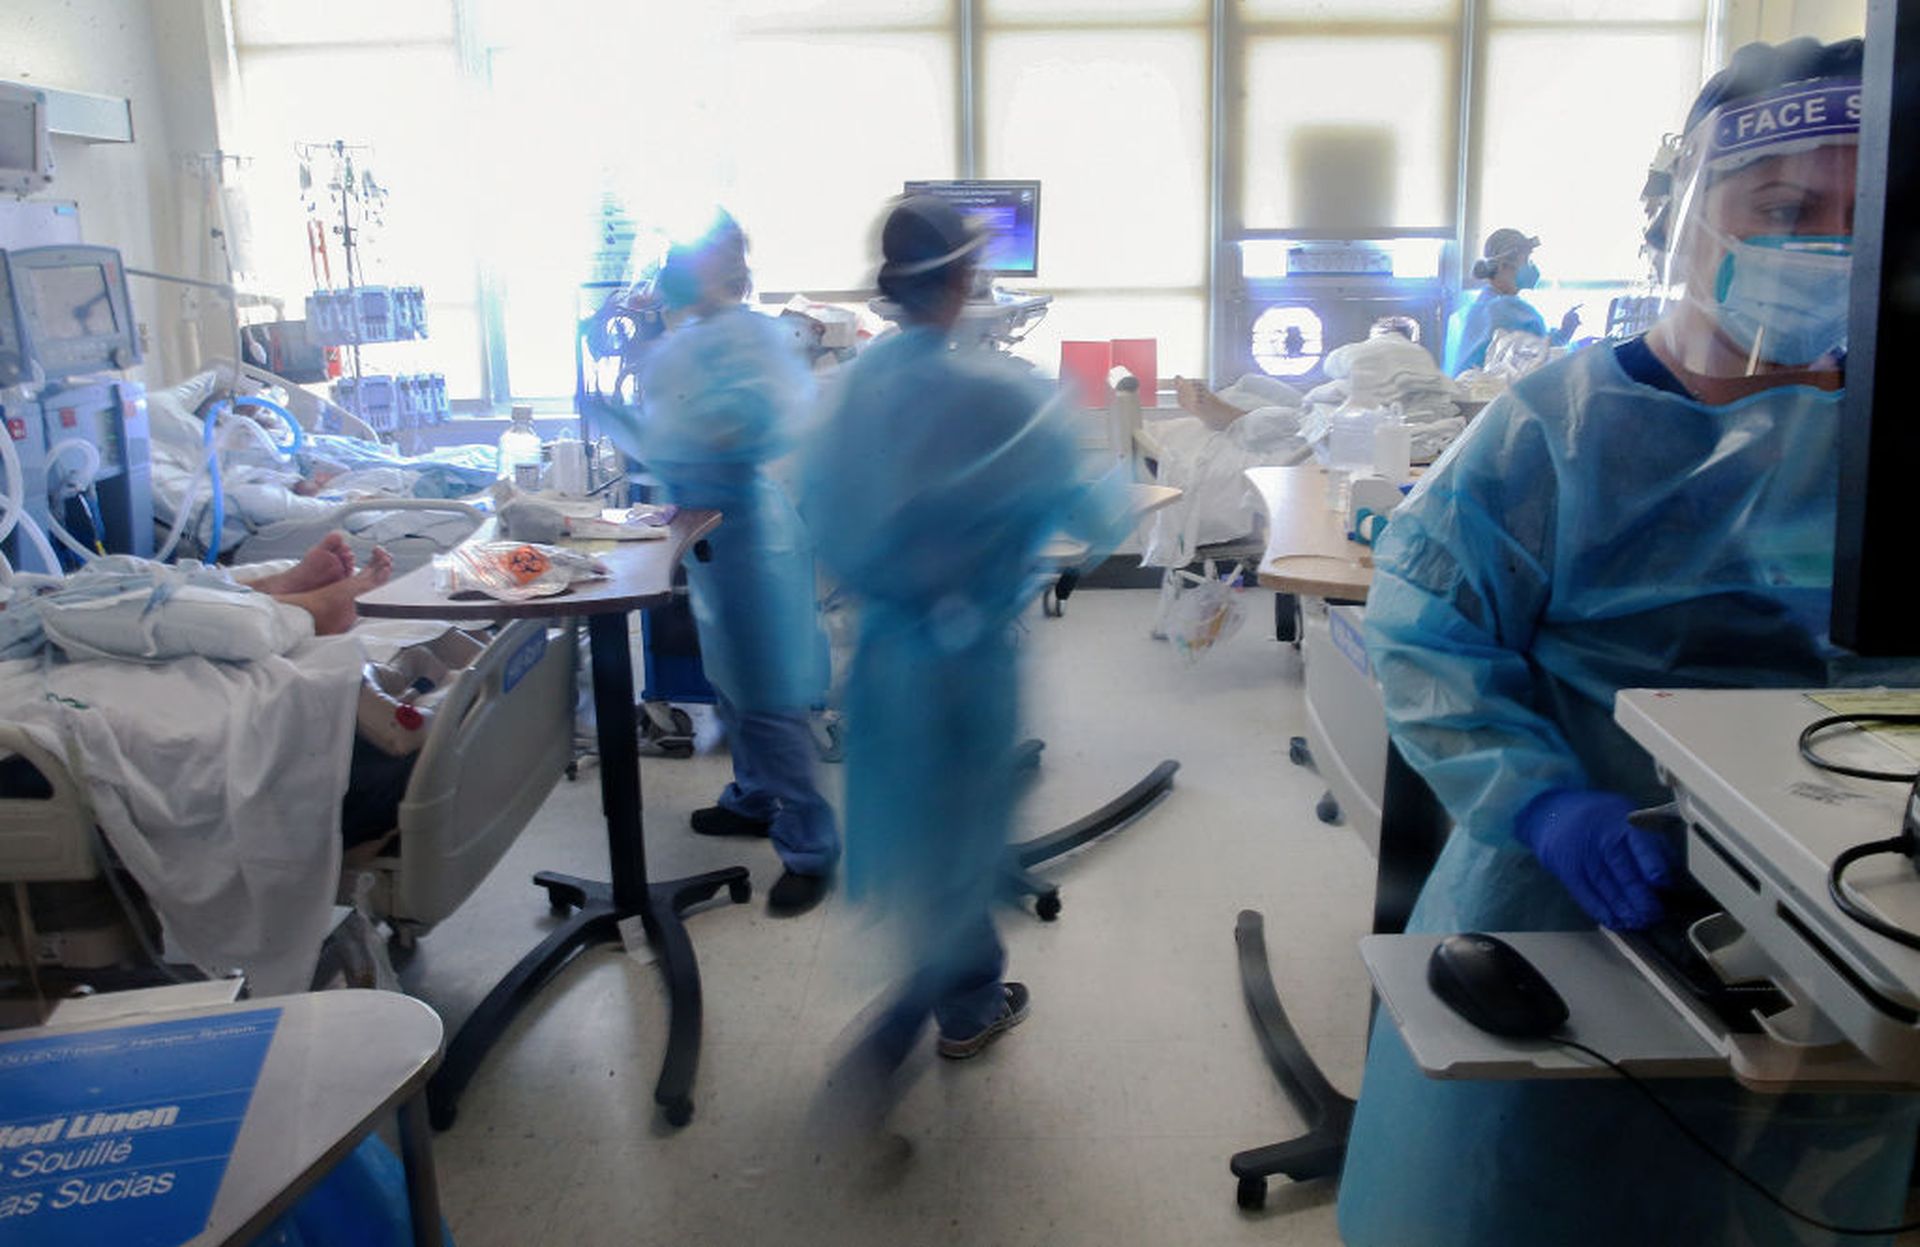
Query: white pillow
{"type": "Point", "coordinates": [192, 620]}
{"type": "Point", "coordinates": [173, 413]}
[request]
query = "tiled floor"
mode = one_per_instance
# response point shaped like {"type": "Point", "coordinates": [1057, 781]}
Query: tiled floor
{"type": "Point", "coordinates": [1107, 1118]}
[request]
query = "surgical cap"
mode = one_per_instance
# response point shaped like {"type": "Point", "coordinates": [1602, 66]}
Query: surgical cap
{"type": "Point", "coordinates": [923, 234]}
{"type": "Point", "coordinates": [1504, 243]}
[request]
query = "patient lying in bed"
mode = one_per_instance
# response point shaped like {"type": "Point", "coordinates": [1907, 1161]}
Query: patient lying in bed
{"type": "Point", "coordinates": [122, 594]}
{"type": "Point", "coordinates": [225, 785]}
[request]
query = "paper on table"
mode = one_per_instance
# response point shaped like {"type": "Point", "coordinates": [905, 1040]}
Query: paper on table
{"type": "Point", "coordinates": [1904, 737]}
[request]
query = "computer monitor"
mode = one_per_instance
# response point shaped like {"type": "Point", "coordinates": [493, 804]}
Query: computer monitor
{"type": "Point", "coordinates": [1010, 211]}
{"type": "Point", "coordinates": [74, 314]}
{"type": "Point", "coordinates": [1874, 573]}
{"type": "Point", "coordinates": [26, 153]}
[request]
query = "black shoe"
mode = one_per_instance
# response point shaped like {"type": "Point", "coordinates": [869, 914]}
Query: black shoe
{"type": "Point", "coordinates": [1012, 1013]}
{"type": "Point", "coordinates": [793, 894]}
{"type": "Point", "coordinates": [717, 820]}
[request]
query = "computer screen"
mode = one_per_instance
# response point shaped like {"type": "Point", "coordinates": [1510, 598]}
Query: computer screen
{"type": "Point", "coordinates": [74, 301]}
{"type": "Point", "coordinates": [1010, 212]}
{"type": "Point", "coordinates": [74, 313]}
{"type": "Point", "coordinates": [1873, 574]}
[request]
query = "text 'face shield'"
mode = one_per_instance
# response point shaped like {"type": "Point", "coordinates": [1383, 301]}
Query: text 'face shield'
{"type": "Point", "coordinates": [1759, 238]}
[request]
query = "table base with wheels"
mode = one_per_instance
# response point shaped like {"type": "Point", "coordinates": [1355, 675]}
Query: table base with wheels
{"type": "Point", "coordinates": [1319, 1152]}
{"type": "Point", "coordinates": [595, 909]}
{"type": "Point", "coordinates": [592, 918]}
{"type": "Point", "coordinates": [1022, 857]}
{"type": "Point", "coordinates": [1413, 827]}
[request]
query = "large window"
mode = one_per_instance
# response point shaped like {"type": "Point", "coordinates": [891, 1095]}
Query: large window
{"type": "Point", "coordinates": [1577, 96]}
{"type": "Point", "coordinates": [1350, 115]}
{"type": "Point", "coordinates": [527, 145]}
{"type": "Point", "coordinates": [1106, 104]}
{"type": "Point", "coordinates": [305, 78]}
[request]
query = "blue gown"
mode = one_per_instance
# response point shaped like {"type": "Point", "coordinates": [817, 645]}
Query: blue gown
{"type": "Point", "coordinates": [1470, 330]}
{"type": "Point", "coordinates": [934, 481]}
{"type": "Point", "coordinates": [725, 397]}
{"type": "Point", "coordinates": [1592, 533]}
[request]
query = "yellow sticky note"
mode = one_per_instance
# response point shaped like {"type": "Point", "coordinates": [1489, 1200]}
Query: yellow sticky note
{"type": "Point", "coordinates": [1902, 736]}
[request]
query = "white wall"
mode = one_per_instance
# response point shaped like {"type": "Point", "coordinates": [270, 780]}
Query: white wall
{"type": "Point", "coordinates": [131, 195]}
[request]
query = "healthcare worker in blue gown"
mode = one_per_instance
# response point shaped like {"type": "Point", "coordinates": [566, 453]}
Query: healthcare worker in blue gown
{"type": "Point", "coordinates": [1653, 513]}
{"type": "Point", "coordinates": [936, 476]}
{"type": "Point", "coordinates": [724, 396]}
{"type": "Point", "coordinates": [1506, 266]}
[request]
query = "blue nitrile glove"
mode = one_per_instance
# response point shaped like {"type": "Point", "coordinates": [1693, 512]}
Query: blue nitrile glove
{"type": "Point", "coordinates": [1611, 867]}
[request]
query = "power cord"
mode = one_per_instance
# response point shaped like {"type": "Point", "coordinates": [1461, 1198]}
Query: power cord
{"type": "Point", "coordinates": [1813, 758]}
{"type": "Point", "coordinates": [1713, 1154]}
{"type": "Point", "coordinates": [1907, 842]}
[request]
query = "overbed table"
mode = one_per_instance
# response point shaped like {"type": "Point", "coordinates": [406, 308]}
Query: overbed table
{"type": "Point", "coordinates": [642, 577]}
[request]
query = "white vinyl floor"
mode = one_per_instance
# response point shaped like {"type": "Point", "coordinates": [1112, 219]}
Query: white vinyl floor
{"type": "Point", "coordinates": [1107, 1118]}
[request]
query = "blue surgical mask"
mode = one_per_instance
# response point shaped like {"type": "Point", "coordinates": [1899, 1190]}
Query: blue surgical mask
{"type": "Point", "coordinates": [1527, 276]}
{"type": "Point", "coordinates": [1786, 292]}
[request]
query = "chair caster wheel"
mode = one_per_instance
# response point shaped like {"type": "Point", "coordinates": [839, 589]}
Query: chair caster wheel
{"type": "Point", "coordinates": [1252, 1194]}
{"type": "Point", "coordinates": [1050, 604]}
{"type": "Point", "coordinates": [678, 1113]}
{"type": "Point", "coordinates": [1047, 906]}
{"type": "Point", "coordinates": [740, 892]}
{"type": "Point", "coordinates": [573, 771]}
{"type": "Point", "coordinates": [1327, 810]}
{"type": "Point", "coordinates": [1298, 753]}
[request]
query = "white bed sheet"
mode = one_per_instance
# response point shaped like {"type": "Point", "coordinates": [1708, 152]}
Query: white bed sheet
{"type": "Point", "coordinates": [219, 786]}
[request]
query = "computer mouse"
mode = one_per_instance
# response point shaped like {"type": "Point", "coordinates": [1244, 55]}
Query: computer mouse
{"type": "Point", "coordinates": [1486, 981]}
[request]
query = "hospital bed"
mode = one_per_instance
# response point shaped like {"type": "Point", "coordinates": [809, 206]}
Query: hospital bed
{"type": "Point", "coordinates": [499, 741]}
{"type": "Point", "coordinates": [263, 518]}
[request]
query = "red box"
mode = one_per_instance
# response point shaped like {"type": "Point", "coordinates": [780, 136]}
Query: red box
{"type": "Point", "coordinates": [1084, 365]}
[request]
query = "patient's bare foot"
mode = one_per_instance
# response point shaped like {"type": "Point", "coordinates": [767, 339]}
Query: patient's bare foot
{"type": "Point", "coordinates": [332, 605]}
{"type": "Point", "coordinates": [1215, 412]}
{"type": "Point", "coordinates": [330, 560]}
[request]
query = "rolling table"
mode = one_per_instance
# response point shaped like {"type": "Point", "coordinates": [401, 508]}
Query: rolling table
{"type": "Point", "coordinates": [642, 577]}
{"type": "Point", "coordinates": [334, 1064]}
{"type": "Point", "coordinates": [1064, 555]}
{"type": "Point", "coordinates": [1308, 554]}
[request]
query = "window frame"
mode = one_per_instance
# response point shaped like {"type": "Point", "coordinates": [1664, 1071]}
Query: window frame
{"type": "Point", "coordinates": [1228, 32]}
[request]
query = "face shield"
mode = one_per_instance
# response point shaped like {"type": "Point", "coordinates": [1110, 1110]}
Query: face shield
{"type": "Point", "coordinates": [1754, 243]}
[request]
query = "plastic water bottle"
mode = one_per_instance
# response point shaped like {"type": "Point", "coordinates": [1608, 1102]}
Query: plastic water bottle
{"type": "Point", "coordinates": [520, 447]}
{"type": "Point", "coordinates": [1393, 449]}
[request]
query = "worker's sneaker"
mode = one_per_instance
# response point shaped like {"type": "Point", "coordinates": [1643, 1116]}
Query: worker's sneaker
{"type": "Point", "coordinates": [718, 820]}
{"type": "Point", "coordinates": [1012, 1013]}
{"type": "Point", "coordinates": [792, 895]}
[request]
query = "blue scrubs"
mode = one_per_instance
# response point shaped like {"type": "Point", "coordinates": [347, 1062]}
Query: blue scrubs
{"type": "Point", "coordinates": [1470, 330]}
{"type": "Point", "coordinates": [933, 483]}
{"type": "Point", "coordinates": [1593, 532]}
{"type": "Point", "coordinates": [724, 398]}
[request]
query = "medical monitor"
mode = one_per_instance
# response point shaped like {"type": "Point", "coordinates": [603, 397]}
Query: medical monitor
{"type": "Point", "coordinates": [1876, 580]}
{"type": "Point", "coordinates": [26, 152]}
{"type": "Point", "coordinates": [74, 315]}
{"type": "Point", "coordinates": [1010, 211]}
